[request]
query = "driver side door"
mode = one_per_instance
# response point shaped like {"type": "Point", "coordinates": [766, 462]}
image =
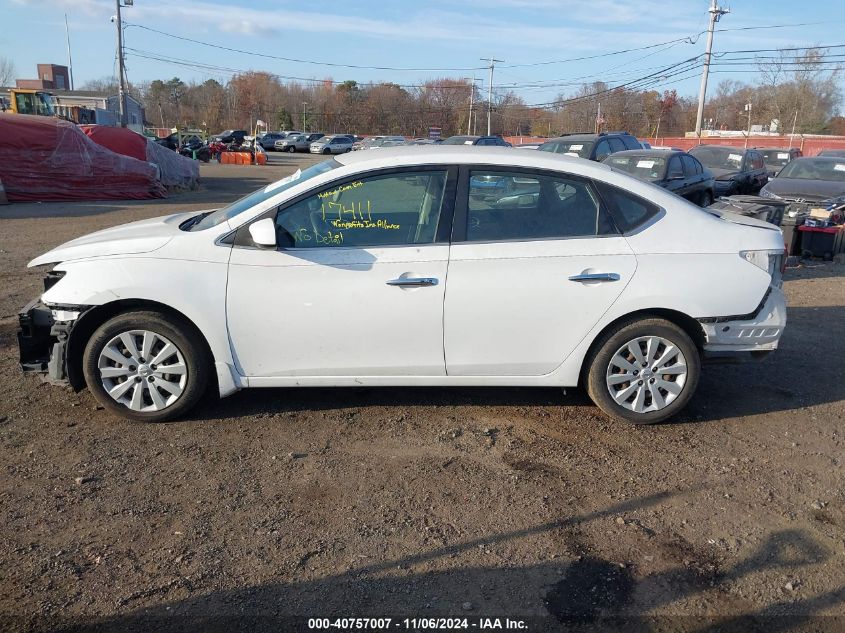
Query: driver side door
{"type": "Point", "coordinates": [356, 284]}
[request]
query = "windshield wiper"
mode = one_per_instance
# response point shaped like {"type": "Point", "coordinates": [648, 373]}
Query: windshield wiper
{"type": "Point", "coordinates": [190, 222]}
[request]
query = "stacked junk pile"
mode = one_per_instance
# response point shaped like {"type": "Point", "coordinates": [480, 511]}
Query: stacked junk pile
{"type": "Point", "coordinates": [810, 229]}
{"type": "Point", "coordinates": [43, 158]}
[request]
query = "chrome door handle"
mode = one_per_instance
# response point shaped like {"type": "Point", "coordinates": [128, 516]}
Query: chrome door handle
{"type": "Point", "coordinates": [595, 277]}
{"type": "Point", "coordinates": [413, 281]}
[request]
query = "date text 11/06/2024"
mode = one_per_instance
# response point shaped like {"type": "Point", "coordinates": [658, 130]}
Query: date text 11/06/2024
{"type": "Point", "coordinates": [414, 624]}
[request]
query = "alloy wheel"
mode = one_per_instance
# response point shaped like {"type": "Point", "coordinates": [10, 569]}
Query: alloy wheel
{"type": "Point", "coordinates": [142, 370]}
{"type": "Point", "coordinates": [646, 374]}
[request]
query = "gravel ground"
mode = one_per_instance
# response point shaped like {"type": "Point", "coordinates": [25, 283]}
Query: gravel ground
{"type": "Point", "coordinates": [421, 502]}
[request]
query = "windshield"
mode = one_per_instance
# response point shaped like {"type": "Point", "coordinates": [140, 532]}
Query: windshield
{"type": "Point", "coordinates": [580, 149]}
{"type": "Point", "coordinates": [643, 167]}
{"type": "Point", "coordinates": [718, 157]}
{"type": "Point", "coordinates": [815, 169]}
{"type": "Point", "coordinates": [775, 157]}
{"type": "Point", "coordinates": [257, 197]}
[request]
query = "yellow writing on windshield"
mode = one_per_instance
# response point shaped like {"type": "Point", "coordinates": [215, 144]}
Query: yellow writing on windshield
{"type": "Point", "coordinates": [341, 189]}
{"type": "Point", "coordinates": [356, 213]}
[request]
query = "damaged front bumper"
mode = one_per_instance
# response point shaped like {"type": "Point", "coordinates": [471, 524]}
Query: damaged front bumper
{"type": "Point", "coordinates": [759, 331]}
{"type": "Point", "coordinates": [43, 338]}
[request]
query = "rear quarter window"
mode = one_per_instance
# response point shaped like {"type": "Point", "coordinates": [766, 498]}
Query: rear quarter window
{"type": "Point", "coordinates": [629, 212]}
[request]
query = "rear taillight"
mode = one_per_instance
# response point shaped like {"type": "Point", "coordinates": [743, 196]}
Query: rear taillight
{"type": "Point", "coordinates": [773, 262]}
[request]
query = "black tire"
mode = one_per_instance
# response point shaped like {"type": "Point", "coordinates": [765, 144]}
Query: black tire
{"type": "Point", "coordinates": [612, 341]}
{"type": "Point", "coordinates": [706, 199]}
{"type": "Point", "coordinates": [292, 149]}
{"type": "Point", "coordinates": [181, 334]}
{"type": "Point", "coordinates": [327, 151]}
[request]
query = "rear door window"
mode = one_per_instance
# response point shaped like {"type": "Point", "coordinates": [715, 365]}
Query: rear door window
{"type": "Point", "coordinates": [691, 167]}
{"type": "Point", "coordinates": [629, 212]}
{"type": "Point", "coordinates": [504, 205]}
{"type": "Point", "coordinates": [616, 145]}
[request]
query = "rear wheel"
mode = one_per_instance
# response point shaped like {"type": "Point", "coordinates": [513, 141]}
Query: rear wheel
{"type": "Point", "coordinates": [146, 366]}
{"type": "Point", "coordinates": [644, 372]}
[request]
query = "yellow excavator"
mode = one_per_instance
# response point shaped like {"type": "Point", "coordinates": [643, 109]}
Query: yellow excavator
{"type": "Point", "coordinates": [28, 101]}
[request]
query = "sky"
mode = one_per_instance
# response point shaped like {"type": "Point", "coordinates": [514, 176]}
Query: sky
{"type": "Point", "coordinates": [539, 41]}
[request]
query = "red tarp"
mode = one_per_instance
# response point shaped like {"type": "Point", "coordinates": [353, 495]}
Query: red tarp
{"type": "Point", "coordinates": [175, 170]}
{"type": "Point", "coordinates": [42, 158]}
{"type": "Point", "coordinates": [118, 139]}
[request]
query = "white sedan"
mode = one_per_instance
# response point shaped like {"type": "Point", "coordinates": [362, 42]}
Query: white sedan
{"type": "Point", "coordinates": [419, 266]}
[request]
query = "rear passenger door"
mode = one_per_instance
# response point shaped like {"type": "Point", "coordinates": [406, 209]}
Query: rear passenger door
{"type": "Point", "coordinates": [533, 266]}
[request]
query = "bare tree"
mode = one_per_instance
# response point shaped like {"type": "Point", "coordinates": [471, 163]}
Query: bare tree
{"type": "Point", "coordinates": [7, 71]}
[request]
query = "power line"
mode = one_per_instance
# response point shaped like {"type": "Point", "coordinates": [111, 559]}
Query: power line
{"type": "Point", "coordinates": [690, 39]}
{"type": "Point", "coordinates": [295, 60]}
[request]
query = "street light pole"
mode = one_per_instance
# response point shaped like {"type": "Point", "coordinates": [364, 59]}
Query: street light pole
{"type": "Point", "coordinates": [492, 62]}
{"type": "Point", "coordinates": [716, 12]}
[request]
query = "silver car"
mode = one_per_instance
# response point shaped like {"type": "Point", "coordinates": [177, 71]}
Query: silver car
{"type": "Point", "coordinates": [292, 143]}
{"type": "Point", "coordinates": [332, 145]}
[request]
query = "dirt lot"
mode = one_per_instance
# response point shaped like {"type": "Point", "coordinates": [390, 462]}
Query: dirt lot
{"type": "Point", "coordinates": [421, 502]}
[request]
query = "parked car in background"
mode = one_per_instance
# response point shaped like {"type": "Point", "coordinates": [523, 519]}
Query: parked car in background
{"type": "Point", "coordinates": [839, 153]}
{"type": "Point", "coordinates": [337, 276]}
{"type": "Point", "coordinates": [737, 170]}
{"type": "Point", "coordinates": [268, 140]}
{"type": "Point", "coordinates": [591, 146]}
{"type": "Point", "coordinates": [387, 141]}
{"type": "Point", "coordinates": [489, 141]}
{"type": "Point", "coordinates": [528, 146]}
{"type": "Point", "coordinates": [170, 142]}
{"type": "Point", "coordinates": [424, 141]}
{"type": "Point", "coordinates": [313, 136]}
{"type": "Point", "coordinates": [334, 144]}
{"type": "Point", "coordinates": [293, 143]}
{"type": "Point", "coordinates": [775, 158]}
{"type": "Point", "coordinates": [816, 179]}
{"type": "Point", "coordinates": [677, 172]}
{"type": "Point", "coordinates": [230, 136]}
{"type": "Point", "coordinates": [366, 143]}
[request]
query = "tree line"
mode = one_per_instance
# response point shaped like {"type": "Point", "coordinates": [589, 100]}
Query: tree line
{"type": "Point", "coordinates": [805, 95]}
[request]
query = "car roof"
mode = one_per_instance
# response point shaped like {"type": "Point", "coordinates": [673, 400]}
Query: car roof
{"type": "Point", "coordinates": [730, 147]}
{"type": "Point", "coordinates": [656, 153]}
{"type": "Point", "coordinates": [466, 154]}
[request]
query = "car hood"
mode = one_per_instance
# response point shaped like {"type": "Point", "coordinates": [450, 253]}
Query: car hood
{"type": "Point", "coordinates": [723, 174]}
{"type": "Point", "coordinates": [809, 190]}
{"type": "Point", "coordinates": [144, 236]}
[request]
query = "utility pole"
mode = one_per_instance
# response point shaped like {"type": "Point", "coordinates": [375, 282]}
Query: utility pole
{"type": "Point", "coordinates": [492, 62]}
{"type": "Point", "coordinates": [471, 95]}
{"type": "Point", "coordinates": [716, 12]}
{"type": "Point", "coordinates": [748, 107]}
{"type": "Point", "coordinates": [304, 112]}
{"type": "Point", "coordinates": [121, 95]}
{"type": "Point", "coordinates": [69, 58]}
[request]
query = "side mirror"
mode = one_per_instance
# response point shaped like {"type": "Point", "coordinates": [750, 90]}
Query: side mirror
{"type": "Point", "coordinates": [263, 233]}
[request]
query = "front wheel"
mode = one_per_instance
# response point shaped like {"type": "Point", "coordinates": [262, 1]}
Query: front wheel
{"type": "Point", "coordinates": [327, 151]}
{"type": "Point", "coordinates": [146, 366]}
{"type": "Point", "coordinates": [644, 372]}
{"type": "Point", "coordinates": [291, 149]}
{"type": "Point", "coordinates": [706, 199]}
